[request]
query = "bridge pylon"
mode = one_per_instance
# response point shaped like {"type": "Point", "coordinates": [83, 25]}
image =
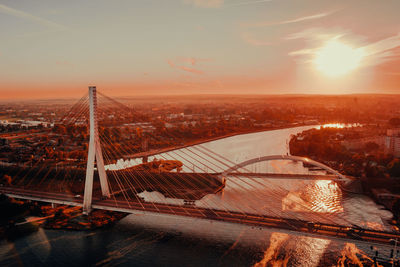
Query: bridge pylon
{"type": "Point", "coordinates": [94, 154]}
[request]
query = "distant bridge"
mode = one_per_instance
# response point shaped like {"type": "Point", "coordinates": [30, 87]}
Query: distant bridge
{"type": "Point", "coordinates": [287, 157]}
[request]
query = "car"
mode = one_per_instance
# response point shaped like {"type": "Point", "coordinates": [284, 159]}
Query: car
{"type": "Point", "coordinates": [189, 202]}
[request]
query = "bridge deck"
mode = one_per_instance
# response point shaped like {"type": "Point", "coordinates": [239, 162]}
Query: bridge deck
{"type": "Point", "coordinates": [270, 175]}
{"type": "Point", "coordinates": [303, 226]}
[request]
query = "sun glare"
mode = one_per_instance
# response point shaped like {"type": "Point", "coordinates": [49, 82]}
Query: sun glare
{"type": "Point", "coordinates": [337, 59]}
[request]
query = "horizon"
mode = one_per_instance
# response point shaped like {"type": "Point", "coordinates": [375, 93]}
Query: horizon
{"type": "Point", "coordinates": [192, 47]}
{"type": "Point", "coordinates": [217, 95]}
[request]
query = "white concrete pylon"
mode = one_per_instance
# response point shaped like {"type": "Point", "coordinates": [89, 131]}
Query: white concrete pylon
{"type": "Point", "coordinates": [94, 153]}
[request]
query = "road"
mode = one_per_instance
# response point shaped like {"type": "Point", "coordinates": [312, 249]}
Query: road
{"type": "Point", "coordinates": [133, 206]}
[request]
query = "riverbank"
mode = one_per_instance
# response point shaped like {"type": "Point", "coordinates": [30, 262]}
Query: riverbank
{"type": "Point", "coordinates": [211, 139]}
{"type": "Point", "coordinates": [12, 220]}
{"type": "Point", "coordinates": [20, 218]}
{"type": "Point", "coordinates": [71, 218]}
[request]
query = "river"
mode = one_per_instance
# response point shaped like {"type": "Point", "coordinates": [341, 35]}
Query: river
{"type": "Point", "coordinates": [160, 240]}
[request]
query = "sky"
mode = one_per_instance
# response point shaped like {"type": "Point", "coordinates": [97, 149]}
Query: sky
{"type": "Point", "coordinates": [55, 49]}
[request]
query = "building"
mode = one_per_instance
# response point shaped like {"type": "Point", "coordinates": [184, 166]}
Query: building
{"type": "Point", "coordinates": [392, 144]}
{"type": "Point", "coordinates": [359, 143]}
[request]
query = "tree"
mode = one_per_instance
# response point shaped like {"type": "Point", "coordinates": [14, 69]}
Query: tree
{"type": "Point", "coordinates": [394, 168]}
{"type": "Point", "coordinates": [395, 122]}
{"type": "Point", "coordinates": [60, 129]}
{"type": "Point", "coordinates": [116, 132]}
{"type": "Point", "coordinates": [371, 146]}
{"type": "Point", "coordinates": [139, 132]}
{"type": "Point", "coordinates": [396, 210]}
{"type": "Point", "coordinates": [8, 179]}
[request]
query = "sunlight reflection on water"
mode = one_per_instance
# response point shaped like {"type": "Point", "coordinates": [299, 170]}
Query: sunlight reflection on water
{"type": "Point", "coordinates": [340, 125]}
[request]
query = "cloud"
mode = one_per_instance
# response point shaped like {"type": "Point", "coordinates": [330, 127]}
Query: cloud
{"type": "Point", "coordinates": [23, 15]}
{"type": "Point", "coordinates": [296, 20]}
{"type": "Point", "coordinates": [172, 64]}
{"type": "Point", "coordinates": [181, 63]}
{"type": "Point", "coordinates": [374, 53]}
{"type": "Point", "coordinates": [316, 16]}
{"type": "Point", "coordinates": [192, 60]}
{"type": "Point", "coordinates": [205, 3]}
{"type": "Point", "coordinates": [302, 52]}
{"type": "Point", "coordinates": [383, 50]}
{"type": "Point", "coordinates": [316, 34]}
{"type": "Point", "coordinates": [256, 42]}
{"type": "Point", "coordinates": [192, 70]}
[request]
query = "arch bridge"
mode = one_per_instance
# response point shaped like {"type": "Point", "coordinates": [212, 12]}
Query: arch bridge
{"type": "Point", "coordinates": [335, 175]}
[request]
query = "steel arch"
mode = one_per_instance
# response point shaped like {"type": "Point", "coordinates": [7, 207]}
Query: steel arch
{"type": "Point", "coordinates": [284, 157]}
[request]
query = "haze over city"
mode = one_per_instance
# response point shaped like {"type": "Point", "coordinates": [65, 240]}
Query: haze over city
{"type": "Point", "coordinates": [53, 49]}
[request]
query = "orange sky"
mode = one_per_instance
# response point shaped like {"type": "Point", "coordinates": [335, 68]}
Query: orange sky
{"type": "Point", "coordinates": [55, 49]}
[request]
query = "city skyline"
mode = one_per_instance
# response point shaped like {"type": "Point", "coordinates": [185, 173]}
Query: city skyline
{"type": "Point", "coordinates": [53, 49]}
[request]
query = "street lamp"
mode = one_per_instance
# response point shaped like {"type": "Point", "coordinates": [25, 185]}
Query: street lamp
{"type": "Point", "coordinates": [394, 253]}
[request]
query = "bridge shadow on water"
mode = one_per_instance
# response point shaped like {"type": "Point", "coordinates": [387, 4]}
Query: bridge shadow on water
{"type": "Point", "coordinates": [165, 241]}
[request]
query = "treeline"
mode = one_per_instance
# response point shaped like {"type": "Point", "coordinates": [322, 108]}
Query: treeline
{"type": "Point", "coordinates": [324, 145]}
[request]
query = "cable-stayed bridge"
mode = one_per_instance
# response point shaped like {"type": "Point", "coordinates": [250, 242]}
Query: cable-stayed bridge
{"type": "Point", "coordinates": [206, 185]}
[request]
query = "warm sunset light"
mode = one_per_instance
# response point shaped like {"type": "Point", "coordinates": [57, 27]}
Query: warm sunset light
{"type": "Point", "coordinates": [337, 59]}
{"type": "Point", "coordinates": [200, 133]}
{"type": "Point", "coordinates": [229, 47]}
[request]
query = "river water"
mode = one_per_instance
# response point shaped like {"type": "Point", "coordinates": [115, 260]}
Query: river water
{"type": "Point", "coordinates": [161, 240]}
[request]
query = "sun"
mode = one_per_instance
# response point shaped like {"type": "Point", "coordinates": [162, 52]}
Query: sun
{"type": "Point", "coordinates": [337, 59]}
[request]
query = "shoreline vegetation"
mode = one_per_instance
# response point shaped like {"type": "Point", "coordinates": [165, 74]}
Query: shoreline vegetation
{"type": "Point", "coordinates": [156, 152]}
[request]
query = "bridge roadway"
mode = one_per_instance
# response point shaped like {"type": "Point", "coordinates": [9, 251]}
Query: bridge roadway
{"type": "Point", "coordinates": [322, 229]}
